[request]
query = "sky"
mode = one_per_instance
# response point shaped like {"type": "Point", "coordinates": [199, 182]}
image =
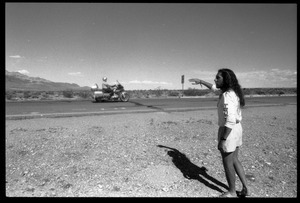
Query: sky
{"type": "Point", "coordinates": [151, 45]}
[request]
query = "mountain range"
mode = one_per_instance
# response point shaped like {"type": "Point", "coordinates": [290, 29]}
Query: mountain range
{"type": "Point", "coordinates": [18, 81]}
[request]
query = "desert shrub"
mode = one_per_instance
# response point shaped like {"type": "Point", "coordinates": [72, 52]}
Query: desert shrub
{"type": "Point", "coordinates": [280, 93]}
{"type": "Point", "coordinates": [246, 91]}
{"type": "Point", "coordinates": [260, 92]}
{"type": "Point", "coordinates": [158, 93]}
{"type": "Point", "coordinates": [9, 95]}
{"type": "Point", "coordinates": [194, 92]}
{"type": "Point", "coordinates": [50, 92]}
{"type": "Point", "coordinates": [147, 94]}
{"type": "Point", "coordinates": [35, 94]}
{"type": "Point", "coordinates": [57, 93]}
{"type": "Point", "coordinates": [84, 94]}
{"type": "Point", "coordinates": [45, 95]}
{"type": "Point", "coordinates": [174, 93]}
{"type": "Point", "coordinates": [26, 94]}
{"type": "Point", "coordinates": [68, 94]}
{"type": "Point", "coordinates": [190, 92]}
{"type": "Point", "coordinates": [138, 94]}
{"type": "Point", "coordinates": [131, 94]}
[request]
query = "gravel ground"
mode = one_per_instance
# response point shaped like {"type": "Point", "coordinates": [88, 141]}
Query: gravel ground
{"type": "Point", "coordinates": [148, 155]}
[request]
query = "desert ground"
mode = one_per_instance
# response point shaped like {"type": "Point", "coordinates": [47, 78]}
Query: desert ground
{"type": "Point", "coordinates": [148, 155]}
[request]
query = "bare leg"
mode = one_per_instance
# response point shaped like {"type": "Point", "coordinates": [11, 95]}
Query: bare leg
{"type": "Point", "coordinates": [228, 164]}
{"type": "Point", "coordinates": [239, 170]}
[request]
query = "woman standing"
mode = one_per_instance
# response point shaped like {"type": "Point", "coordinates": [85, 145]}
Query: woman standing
{"type": "Point", "coordinates": [229, 105]}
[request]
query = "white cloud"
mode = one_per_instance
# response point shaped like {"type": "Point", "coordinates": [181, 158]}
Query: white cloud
{"type": "Point", "coordinates": [25, 72]}
{"type": "Point", "coordinates": [75, 74]}
{"type": "Point", "coordinates": [42, 59]}
{"type": "Point", "coordinates": [270, 78]}
{"type": "Point", "coordinates": [275, 77]}
{"type": "Point", "coordinates": [251, 74]}
{"type": "Point", "coordinates": [273, 74]}
{"type": "Point", "coordinates": [16, 56]}
{"type": "Point", "coordinates": [149, 82]}
{"type": "Point", "coordinates": [203, 75]}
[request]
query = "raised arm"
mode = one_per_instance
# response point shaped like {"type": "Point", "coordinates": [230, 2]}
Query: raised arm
{"type": "Point", "coordinates": [201, 82]}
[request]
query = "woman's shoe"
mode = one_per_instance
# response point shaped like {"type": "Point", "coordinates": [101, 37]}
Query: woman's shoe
{"type": "Point", "coordinates": [243, 193]}
{"type": "Point", "coordinates": [227, 194]}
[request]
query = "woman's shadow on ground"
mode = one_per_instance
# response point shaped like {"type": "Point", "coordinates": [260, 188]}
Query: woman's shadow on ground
{"type": "Point", "coordinates": [192, 171]}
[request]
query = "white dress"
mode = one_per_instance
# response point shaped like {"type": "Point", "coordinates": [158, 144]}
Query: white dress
{"type": "Point", "coordinates": [230, 115]}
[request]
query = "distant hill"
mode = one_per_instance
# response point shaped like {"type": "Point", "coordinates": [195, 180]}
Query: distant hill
{"type": "Point", "coordinates": [18, 81]}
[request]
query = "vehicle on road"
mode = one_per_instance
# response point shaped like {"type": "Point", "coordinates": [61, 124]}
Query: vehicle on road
{"type": "Point", "coordinates": [119, 93]}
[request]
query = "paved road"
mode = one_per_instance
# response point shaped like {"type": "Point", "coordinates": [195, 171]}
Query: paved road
{"type": "Point", "coordinates": [19, 110]}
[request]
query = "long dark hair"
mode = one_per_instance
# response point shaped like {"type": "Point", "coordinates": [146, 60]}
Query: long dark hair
{"type": "Point", "coordinates": [231, 82]}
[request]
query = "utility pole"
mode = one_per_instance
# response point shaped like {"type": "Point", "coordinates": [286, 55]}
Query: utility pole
{"type": "Point", "coordinates": [182, 82]}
